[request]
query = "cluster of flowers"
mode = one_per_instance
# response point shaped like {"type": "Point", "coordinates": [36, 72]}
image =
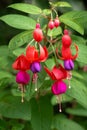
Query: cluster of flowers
{"type": "Point", "coordinates": [35, 55]}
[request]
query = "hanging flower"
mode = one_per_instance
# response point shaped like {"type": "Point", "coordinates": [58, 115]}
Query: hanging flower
{"type": "Point", "coordinates": [59, 87]}
{"type": "Point", "coordinates": [22, 77]}
{"type": "Point", "coordinates": [21, 63]}
{"type": "Point", "coordinates": [35, 57]}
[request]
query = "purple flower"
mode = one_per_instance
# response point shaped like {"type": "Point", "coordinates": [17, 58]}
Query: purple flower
{"type": "Point", "coordinates": [35, 67]}
{"type": "Point", "coordinates": [22, 77]}
{"type": "Point", "coordinates": [59, 87]}
{"type": "Point", "coordinates": [68, 64]}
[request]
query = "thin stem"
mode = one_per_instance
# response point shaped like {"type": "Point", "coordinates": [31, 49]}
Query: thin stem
{"type": "Point", "coordinates": [59, 101]}
{"type": "Point", "coordinates": [55, 12]}
{"type": "Point", "coordinates": [30, 43]}
{"type": "Point", "coordinates": [22, 94]}
{"type": "Point", "coordinates": [53, 50]}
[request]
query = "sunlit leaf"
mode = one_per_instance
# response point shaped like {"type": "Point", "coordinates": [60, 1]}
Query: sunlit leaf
{"type": "Point", "coordinates": [27, 8]}
{"type": "Point", "coordinates": [19, 21]}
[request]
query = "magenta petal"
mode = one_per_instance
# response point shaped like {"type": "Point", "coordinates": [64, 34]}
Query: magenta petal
{"type": "Point", "coordinates": [59, 87]}
{"type": "Point", "coordinates": [22, 77]}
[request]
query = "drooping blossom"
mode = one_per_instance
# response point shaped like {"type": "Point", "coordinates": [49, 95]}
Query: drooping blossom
{"type": "Point", "coordinates": [22, 77]}
{"type": "Point", "coordinates": [57, 74]}
{"type": "Point", "coordinates": [35, 57]}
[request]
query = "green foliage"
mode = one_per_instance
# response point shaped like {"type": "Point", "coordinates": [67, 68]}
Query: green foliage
{"type": "Point", "coordinates": [20, 40]}
{"type": "Point", "coordinates": [75, 19]}
{"type": "Point", "coordinates": [43, 111]}
{"type": "Point", "coordinates": [81, 94]}
{"type": "Point", "coordinates": [27, 8]}
{"type": "Point", "coordinates": [12, 107]}
{"type": "Point", "coordinates": [62, 4]}
{"type": "Point", "coordinates": [62, 123]}
{"type": "Point", "coordinates": [19, 21]}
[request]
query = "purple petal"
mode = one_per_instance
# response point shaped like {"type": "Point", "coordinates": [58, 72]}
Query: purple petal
{"type": "Point", "coordinates": [59, 87]}
{"type": "Point", "coordinates": [69, 64]}
{"type": "Point", "coordinates": [35, 67]}
{"type": "Point", "coordinates": [22, 77]}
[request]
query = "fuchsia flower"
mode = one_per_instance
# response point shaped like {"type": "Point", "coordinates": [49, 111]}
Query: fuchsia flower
{"type": "Point", "coordinates": [22, 77]}
{"type": "Point", "coordinates": [34, 57]}
{"type": "Point", "coordinates": [57, 74]}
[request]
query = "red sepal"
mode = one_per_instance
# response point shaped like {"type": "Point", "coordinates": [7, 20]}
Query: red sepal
{"type": "Point", "coordinates": [43, 53]}
{"type": "Point", "coordinates": [31, 54]}
{"type": "Point", "coordinates": [21, 63]}
{"type": "Point", "coordinates": [57, 73]}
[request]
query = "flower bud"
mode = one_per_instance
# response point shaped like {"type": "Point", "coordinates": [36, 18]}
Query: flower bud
{"type": "Point", "coordinates": [51, 24]}
{"type": "Point", "coordinates": [66, 39]}
{"type": "Point", "coordinates": [38, 34]}
{"type": "Point", "coordinates": [56, 22]}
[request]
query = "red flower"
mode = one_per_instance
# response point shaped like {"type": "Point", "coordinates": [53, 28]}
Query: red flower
{"type": "Point", "coordinates": [21, 63]}
{"type": "Point", "coordinates": [67, 54]}
{"type": "Point", "coordinates": [57, 73]}
{"type": "Point", "coordinates": [33, 55]}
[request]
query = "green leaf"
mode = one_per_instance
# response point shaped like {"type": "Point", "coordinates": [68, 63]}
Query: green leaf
{"type": "Point", "coordinates": [62, 4]}
{"type": "Point", "coordinates": [62, 123]}
{"type": "Point", "coordinates": [77, 111]}
{"type": "Point", "coordinates": [27, 8]}
{"type": "Point", "coordinates": [4, 50]}
{"type": "Point", "coordinates": [19, 21]}
{"type": "Point", "coordinates": [13, 108]}
{"type": "Point", "coordinates": [46, 11]}
{"type": "Point", "coordinates": [78, 75]}
{"type": "Point", "coordinates": [82, 48]}
{"type": "Point", "coordinates": [69, 22]}
{"type": "Point", "coordinates": [78, 91]}
{"type": "Point", "coordinates": [4, 74]}
{"type": "Point", "coordinates": [41, 114]}
{"type": "Point", "coordinates": [20, 40]}
{"type": "Point", "coordinates": [54, 32]}
{"type": "Point", "coordinates": [50, 63]}
{"type": "Point", "coordinates": [75, 19]}
{"type": "Point", "coordinates": [19, 51]}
